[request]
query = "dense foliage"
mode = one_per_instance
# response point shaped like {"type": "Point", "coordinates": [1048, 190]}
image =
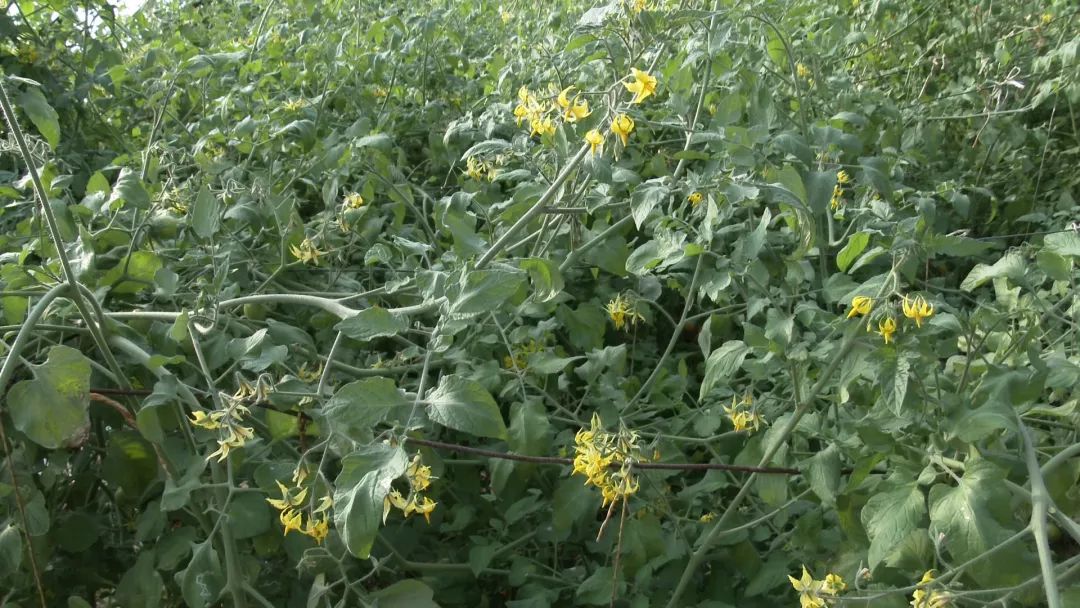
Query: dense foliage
{"type": "Point", "coordinates": [644, 303]}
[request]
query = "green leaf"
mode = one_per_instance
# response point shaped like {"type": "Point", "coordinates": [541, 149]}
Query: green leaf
{"type": "Point", "coordinates": [894, 376]}
{"type": "Point", "coordinates": [484, 291]}
{"type": "Point", "coordinates": [359, 490]}
{"type": "Point", "coordinates": [1065, 244]}
{"type": "Point", "coordinates": [823, 474]}
{"type": "Point", "coordinates": [133, 274]}
{"type": "Point", "coordinates": [11, 548]}
{"type": "Point", "coordinates": [855, 246]}
{"type": "Point", "coordinates": [371, 323]}
{"type": "Point", "coordinates": [44, 117]}
{"type": "Point", "coordinates": [890, 515]}
{"type": "Point", "coordinates": [51, 408]}
{"type": "Point", "coordinates": [596, 590]}
{"type": "Point", "coordinates": [464, 405]}
{"type": "Point", "coordinates": [1010, 265]}
{"type": "Point", "coordinates": [965, 515]}
{"type": "Point", "coordinates": [409, 593]}
{"type": "Point", "coordinates": [357, 407]}
{"type": "Point", "coordinates": [645, 198]}
{"type": "Point", "coordinates": [547, 282]}
{"type": "Point", "coordinates": [206, 214]}
{"type": "Point", "coordinates": [201, 582]}
{"type": "Point", "coordinates": [491, 146]}
{"type": "Point", "coordinates": [141, 586]}
{"type": "Point", "coordinates": [129, 190]}
{"type": "Point", "coordinates": [1057, 267]}
{"type": "Point", "coordinates": [722, 364]}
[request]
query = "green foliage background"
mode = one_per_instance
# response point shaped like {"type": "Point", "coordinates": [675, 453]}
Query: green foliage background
{"type": "Point", "coordinates": [190, 152]}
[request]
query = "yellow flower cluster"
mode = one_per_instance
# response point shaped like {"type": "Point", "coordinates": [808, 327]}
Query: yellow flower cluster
{"type": "Point", "coordinates": [742, 415]}
{"type": "Point", "coordinates": [917, 309]}
{"type": "Point", "coordinates": [231, 434]}
{"type": "Point", "coordinates": [596, 454]}
{"type": "Point", "coordinates": [480, 170]}
{"type": "Point", "coordinates": [842, 179]}
{"type": "Point", "coordinates": [290, 513]}
{"type": "Point", "coordinates": [353, 201]}
{"type": "Point", "coordinates": [802, 71]}
{"type": "Point", "coordinates": [636, 6]}
{"type": "Point", "coordinates": [817, 593]}
{"type": "Point", "coordinates": [922, 598]}
{"type": "Point", "coordinates": [520, 357]}
{"type": "Point", "coordinates": [695, 198]}
{"type": "Point", "coordinates": [310, 374]}
{"type": "Point", "coordinates": [295, 104]}
{"type": "Point", "coordinates": [531, 109]}
{"type": "Point", "coordinates": [306, 252]}
{"type": "Point", "coordinates": [623, 312]}
{"type": "Point", "coordinates": [419, 477]}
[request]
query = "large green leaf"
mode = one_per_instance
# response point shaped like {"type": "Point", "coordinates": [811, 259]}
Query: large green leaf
{"type": "Point", "coordinates": [11, 548]}
{"type": "Point", "coordinates": [205, 214]}
{"type": "Point", "coordinates": [374, 322]}
{"type": "Point", "coordinates": [722, 364]}
{"type": "Point", "coordinates": [359, 490]}
{"type": "Point", "coordinates": [44, 117]}
{"type": "Point", "coordinates": [409, 593]}
{"type": "Point", "coordinates": [483, 291]}
{"type": "Point", "coordinates": [51, 408]}
{"type": "Point", "coordinates": [202, 581]}
{"type": "Point", "coordinates": [969, 518]}
{"type": "Point", "coordinates": [357, 407]}
{"type": "Point", "coordinates": [464, 405]}
{"type": "Point", "coordinates": [890, 515]}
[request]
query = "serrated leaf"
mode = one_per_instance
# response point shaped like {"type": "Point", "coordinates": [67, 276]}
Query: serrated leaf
{"type": "Point", "coordinates": [823, 474]}
{"type": "Point", "coordinates": [359, 490]}
{"type": "Point", "coordinates": [1063, 243]}
{"type": "Point", "coordinates": [51, 408]}
{"type": "Point", "coordinates": [722, 364]}
{"type": "Point", "coordinates": [371, 323]}
{"type": "Point", "coordinates": [894, 382]}
{"type": "Point", "coordinates": [357, 407]}
{"type": "Point", "coordinates": [129, 190]}
{"type": "Point", "coordinates": [484, 291]}
{"type": "Point", "coordinates": [464, 405]}
{"type": "Point", "coordinates": [889, 516]}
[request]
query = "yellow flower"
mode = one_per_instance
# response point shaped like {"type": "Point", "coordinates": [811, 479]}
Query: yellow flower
{"type": "Point", "coordinates": [317, 529]}
{"type": "Point", "coordinates": [886, 329]}
{"type": "Point", "coordinates": [202, 420]}
{"type": "Point", "coordinates": [424, 507]}
{"type": "Point", "coordinates": [572, 110]}
{"type": "Point", "coordinates": [642, 86]}
{"type": "Point", "coordinates": [291, 519]}
{"type": "Point", "coordinates": [520, 113]}
{"type": "Point", "coordinates": [860, 305]}
{"type": "Point", "coordinates": [353, 201]}
{"type": "Point", "coordinates": [695, 198]}
{"type": "Point", "coordinates": [541, 126]}
{"type": "Point", "coordinates": [474, 168]}
{"type": "Point", "coordinates": [837, 197]}
{"type": "Point", "coordinates": [809, 590]}
{"type": "Point", "coordinates": [742, 419]}
{"type": "Point", "coordinates": [707, 517]}
{"type": "Point", "coordinates": [393, 499]}
{"type": "Point", "coordinates": [419, 475]}
{"type": "Point", "coordinates": [834, 584]}
{"type": "Point", "coordinates": [324, 504]}
{"type": "Point", "coordinates": [505, 15]}
{"type": "Point", "coordinates": [802, 71]}
{"type": "Point", "coordinates": [923, 598]}
{"type": "Point", "coordinates": [306, 252]}
{"type": "Point", "coordinates": [842, 177]}
{"type": "Point", "coordinates": [917, 309]}
{"type": "Point", "coordinates": [286, 501]}
{"type": "Point", "coordinates": [622, 313]}
{"type": "Point", "coordinates": [308, 374]}
{"type": "Point", "coordinates": [622, 125]}
{"type": "Point", "coordinates": [1046, 18]}
{"type": "Point", "coordinates": [636, 6]}
{"type": "Point", "coordinates": [295, 104]}
{"type": "Point", "coordinates": [595, 141]}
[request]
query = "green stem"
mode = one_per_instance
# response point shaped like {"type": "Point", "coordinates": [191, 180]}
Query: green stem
{"type": "Point", "coordinates": [1039, 507]}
